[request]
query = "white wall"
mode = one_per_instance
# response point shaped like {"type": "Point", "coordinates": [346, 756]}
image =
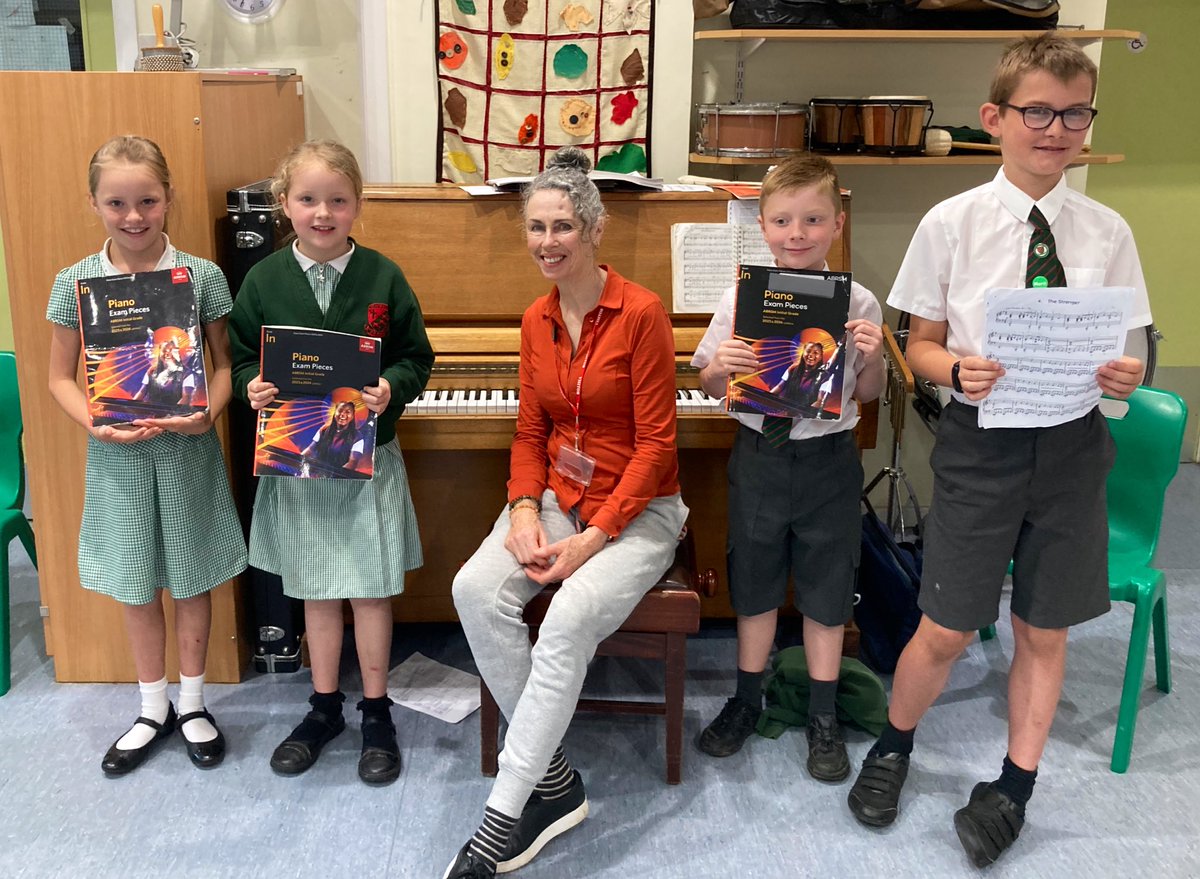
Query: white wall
{"type": "Point", "coordinates": [320, 38]}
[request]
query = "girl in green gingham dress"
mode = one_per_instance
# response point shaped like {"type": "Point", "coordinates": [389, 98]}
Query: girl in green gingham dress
{"type": "Point", "coordinates": [336, 539]}
{"type": "Point", "coordinates": [157, 509]}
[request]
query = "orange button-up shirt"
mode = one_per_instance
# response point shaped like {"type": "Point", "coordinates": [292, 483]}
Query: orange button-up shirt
{"type": "Point", "coordinates": [626, 412]}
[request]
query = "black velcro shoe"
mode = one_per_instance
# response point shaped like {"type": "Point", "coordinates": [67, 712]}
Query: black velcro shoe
{"type": "Point", "coordinates": [119, 761]}
{"type": "Point", "coordinates": [875, 797]}
{"type": "Point", "coordinates": [468, 865]}
{"type": "Point", "coordinates": [300, 750]}
{"type": "Point", "coordinates": [988, 824]}
{"type": "Point", "coordinates": [827, 759]}
{"type": "Point", "coordinates": [730, 729]}
{"type": "Point", "coordinates": [208, 754]}
{"type": "Point", "coordinates": [380, 760]}
{"type": "Point", "coordinates": [541, 820]}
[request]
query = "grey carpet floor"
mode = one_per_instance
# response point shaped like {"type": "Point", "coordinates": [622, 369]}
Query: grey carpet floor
{"type": "Point", "coordinates": [754, 814]}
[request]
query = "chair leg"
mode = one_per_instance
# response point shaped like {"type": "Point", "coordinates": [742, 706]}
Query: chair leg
{"type": "Point", "coordinates": [26, 535]}
{"type": "Point", "coordinates": [489, 731]}
{"type": "Point", "coordinates": [1162, 648]}
{"type": "Point", "coordinates": [1131, 690]}
{"type": "Point", "coordinates": [676, 670]}
{"type": "Point", "coordinates": [5, 623]}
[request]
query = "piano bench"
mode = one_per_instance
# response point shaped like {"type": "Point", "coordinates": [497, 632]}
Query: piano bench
{"type": "Point", "coordinates": [657, 629]}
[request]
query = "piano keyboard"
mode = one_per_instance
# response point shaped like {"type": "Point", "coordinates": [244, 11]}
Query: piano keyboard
{"type": "Point", "coordinates": [461, 401]}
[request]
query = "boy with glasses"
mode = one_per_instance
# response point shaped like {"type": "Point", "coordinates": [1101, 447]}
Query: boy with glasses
{"type": "Point", "coordinates": [1032, 495]}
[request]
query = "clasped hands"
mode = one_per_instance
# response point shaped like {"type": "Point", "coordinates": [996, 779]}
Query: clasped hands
{"type": "Point", "coordinates": [549, 563]}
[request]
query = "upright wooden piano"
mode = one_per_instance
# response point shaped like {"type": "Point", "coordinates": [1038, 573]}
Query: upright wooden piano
{"type": "Point", "coordinates": [465, 258]}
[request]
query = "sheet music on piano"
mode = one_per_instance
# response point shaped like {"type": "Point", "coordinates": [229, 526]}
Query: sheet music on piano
{"type": "Point", "coordinates": [1050, 341]}
{"type": "Point", "coordinates": [704, 261]}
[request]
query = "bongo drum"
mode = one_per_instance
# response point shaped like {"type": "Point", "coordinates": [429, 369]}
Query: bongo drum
{"type": "Point", "coordinates": [895, 124]}
{"type": "Point", "coordinates": [835, 124]}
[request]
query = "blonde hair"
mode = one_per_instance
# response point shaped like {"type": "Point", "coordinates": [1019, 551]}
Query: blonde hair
{"type": "Point", "coordinates": [800, 171]}
{"type": "Point", "coordinates": [131, 150]}
{"type": "Point", "coordinates": [329, 153]}
{"type": "Point", "coordinates": [1059, 57]}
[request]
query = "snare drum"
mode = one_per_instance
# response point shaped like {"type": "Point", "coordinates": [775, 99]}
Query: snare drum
{"type": "Point", "coordinates": [895, 124]}
{"type": "Point", "coordinates": [751, 130]}
{"type": "Point", "coordinates": [835, 124]}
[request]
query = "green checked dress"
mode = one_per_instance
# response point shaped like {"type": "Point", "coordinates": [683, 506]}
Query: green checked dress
{"type": "Point", "coordinates": [156, 514]}
{"type": "Point", "coordinates": [337, 538]}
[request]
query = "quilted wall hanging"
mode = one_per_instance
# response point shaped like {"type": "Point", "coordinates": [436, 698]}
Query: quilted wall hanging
{"type": "Point", "coordinates": [520, 78]}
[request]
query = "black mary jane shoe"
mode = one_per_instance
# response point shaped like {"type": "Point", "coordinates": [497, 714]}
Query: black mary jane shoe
{"type": "Point", "coordinates": [204, 755]}
{"type": "Point", "coordinates": [119, 761]}
{"type": "Point", "coordinates": [380, 760]}
{"type": "Point", "coordinates": [300, 750]}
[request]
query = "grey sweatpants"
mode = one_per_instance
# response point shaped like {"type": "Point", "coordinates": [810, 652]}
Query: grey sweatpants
{"type": "Point", "coordinates": [537, 688]}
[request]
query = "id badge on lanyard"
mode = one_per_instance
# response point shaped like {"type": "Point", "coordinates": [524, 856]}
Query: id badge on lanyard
{"type": "Point", "coordinates": [572, 462]}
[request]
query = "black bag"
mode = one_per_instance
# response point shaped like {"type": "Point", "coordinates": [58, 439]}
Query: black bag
{"type": "Point", "coordinates": [901, 14]}
{"type": "Point", "coordinates": [889, 577]}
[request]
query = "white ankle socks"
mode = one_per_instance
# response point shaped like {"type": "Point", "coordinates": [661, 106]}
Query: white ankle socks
{"type": "Point", "coordinates": [191, 698]}
{"type": "Point", "coordinates": [154, 707]}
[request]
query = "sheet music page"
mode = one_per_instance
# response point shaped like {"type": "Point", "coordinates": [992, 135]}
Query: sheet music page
{"type": "Point", "coordinates": [1050, 341]}
{"type": "Point", "coordinates": [753, 249]}
{"type": "Point", "coordinates": [742, 211]}
{"type": "Point", "coordinates": [703, 265]}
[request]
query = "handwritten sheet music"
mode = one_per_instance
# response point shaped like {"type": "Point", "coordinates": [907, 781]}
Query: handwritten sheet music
{"type": "Point", "coordinates": [1050, 342]}
{"type": "Point", "coordinates": [704, 261]}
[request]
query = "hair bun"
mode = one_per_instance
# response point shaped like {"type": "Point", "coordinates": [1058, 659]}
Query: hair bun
{"type": "Point", "coordinates": [570, 157]}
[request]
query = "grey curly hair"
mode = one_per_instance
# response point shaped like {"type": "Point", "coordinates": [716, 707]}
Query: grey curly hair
{"type": "Point", "coordinates": [567, 172]}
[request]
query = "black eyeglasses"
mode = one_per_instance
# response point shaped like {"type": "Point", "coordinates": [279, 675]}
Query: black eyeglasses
{"type": "Point", "coordinates": [1040, 118]}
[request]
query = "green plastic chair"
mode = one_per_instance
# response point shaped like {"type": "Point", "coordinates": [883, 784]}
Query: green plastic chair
{"type": "Point", "coordinates": [1149, 438]}
{"type": "Point", "coordinates": [12, 498]}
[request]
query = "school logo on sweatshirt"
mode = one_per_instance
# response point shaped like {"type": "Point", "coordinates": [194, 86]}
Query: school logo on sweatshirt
{"type": "Point", "coordinates": [377, 320]}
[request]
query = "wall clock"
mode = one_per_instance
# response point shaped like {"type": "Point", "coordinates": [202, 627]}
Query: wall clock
{"type": "Point", "coordinates": [253, 11]}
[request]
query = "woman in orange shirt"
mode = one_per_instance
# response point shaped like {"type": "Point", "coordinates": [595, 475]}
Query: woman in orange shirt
{"type": "Point", "coordinates": [593, 503]}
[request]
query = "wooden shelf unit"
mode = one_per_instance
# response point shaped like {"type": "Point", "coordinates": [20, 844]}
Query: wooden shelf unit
{"type": "Point", "coordinates": [860, 159]}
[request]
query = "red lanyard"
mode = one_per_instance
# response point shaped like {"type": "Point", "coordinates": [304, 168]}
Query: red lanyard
{"type": "Point", "coordinates": [577, 406]}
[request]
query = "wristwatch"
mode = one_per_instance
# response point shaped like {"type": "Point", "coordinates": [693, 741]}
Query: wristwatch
{"type": "Point", "coordinates": [954, 379]}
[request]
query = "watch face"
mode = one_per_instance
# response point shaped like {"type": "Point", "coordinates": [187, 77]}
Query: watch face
{"type": "Point", "coordinates": [252, 11]}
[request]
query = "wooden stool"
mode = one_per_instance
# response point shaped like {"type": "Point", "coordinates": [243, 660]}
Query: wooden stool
{"type": "Point", "coordinates": [657, 629]}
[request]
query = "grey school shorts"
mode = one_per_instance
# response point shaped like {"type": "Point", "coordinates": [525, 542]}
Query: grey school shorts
{"type": "Point", "coordinates": [1032, 495]}
{"type": "Point", "coordinates": [794, 510]}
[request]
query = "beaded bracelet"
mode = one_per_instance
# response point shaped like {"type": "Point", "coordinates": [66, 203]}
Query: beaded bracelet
{"type": "Point", "coordinates": [525, 500]}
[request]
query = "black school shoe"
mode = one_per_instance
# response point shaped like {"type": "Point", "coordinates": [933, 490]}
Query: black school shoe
{"type": "Point", "coordinates": [468, 865]}
{"type": "Point", "coordinates": [827, 760]}
{"type": "Point", "coordinates": [204, 755]}
{"type": "Point", "coordinates": [988, 824]}
{"type": "Point", "coordinates": [380, 760]}
{"type": "Point", "coordinates": [541, 820]}
{"type": "Point", "coordinates": [875, 797]}
{"type": "Point", "coordinates": [300, 750]}
{"type": "Point", "coordinates": [119, 761]}
{"type": "Point", "coordinates": [730, 729]}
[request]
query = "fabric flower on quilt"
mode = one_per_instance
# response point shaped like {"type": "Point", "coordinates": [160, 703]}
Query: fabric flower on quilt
{"type": "Point", "coordinates": [622, 107]}
{"type": "Point", "coordinates": [514, 11]}
{"type": "Point", "coordinates": [452, 51]}
{"type": "Point", "coordinates": [506, 51]}
{"type": "Point", "coordinates": [577, 118]}
{"type": "Point", "coordinates": [629, 14]}
{"type": "Point", "coordinates": [528, 130]}
{"type": "Point", "coordinates": [575, 16]}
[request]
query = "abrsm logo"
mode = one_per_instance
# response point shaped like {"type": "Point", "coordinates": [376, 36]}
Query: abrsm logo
{"type": "Point", "coordinates": [180, 275]}
{"type": "Point", "coordinates": [367, 345]}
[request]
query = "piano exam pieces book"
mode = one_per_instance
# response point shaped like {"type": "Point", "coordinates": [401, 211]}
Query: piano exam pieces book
{"type": "Point", "coordinates": [796, 323]}
{"type": "Point", "coordinates": [318, 426]}
{"type": "Point", "coordinates": [142, 346]}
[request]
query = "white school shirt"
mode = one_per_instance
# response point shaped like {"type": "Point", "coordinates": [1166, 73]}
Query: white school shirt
{"type": "Point", "coordinates": [863, 304]}
{"type": "Point", "coordinates": [979, 239]}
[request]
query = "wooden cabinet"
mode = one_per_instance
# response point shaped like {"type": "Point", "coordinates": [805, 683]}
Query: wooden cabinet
{"type": "Point", "coordinates": [217, 132]}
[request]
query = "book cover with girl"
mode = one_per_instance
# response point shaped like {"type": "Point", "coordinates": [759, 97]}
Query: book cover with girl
{"type": "Point", "coordinates": [143, 354]}
{"type": "Point", "coordinates": [795, 322]}
{"type": "Point", "coordinates": [318, 427]}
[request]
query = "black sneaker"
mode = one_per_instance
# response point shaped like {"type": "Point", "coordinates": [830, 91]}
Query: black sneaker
{"type": "Point", "coordinates": [468, 865]}
{"type": "Point", "coordinates": [730, 729]}
{"type": "Point", "coordinates": [541, 820]}
{"type": "Point", "coordinates": [827, 760]}
{"type": "Point", "coordinates": [988, 824]}
{"type": "Point", "coordinates": [875, 797]}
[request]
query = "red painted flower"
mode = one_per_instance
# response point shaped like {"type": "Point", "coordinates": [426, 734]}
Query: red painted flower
{"type": "Point", "coordinates": [623, 105]}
